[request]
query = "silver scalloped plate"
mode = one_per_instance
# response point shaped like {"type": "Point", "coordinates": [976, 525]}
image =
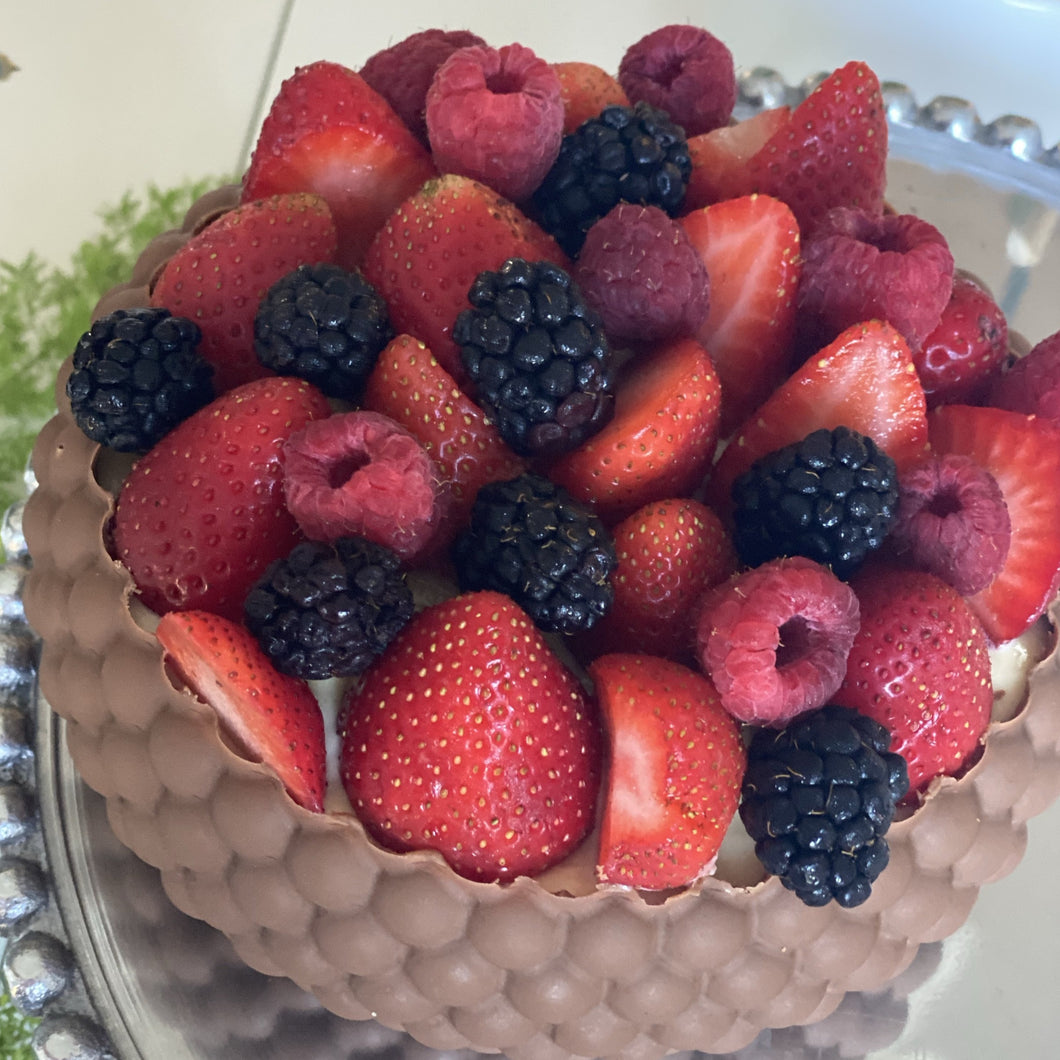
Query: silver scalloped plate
{"type": "Point", "coordinates": [95, 948]}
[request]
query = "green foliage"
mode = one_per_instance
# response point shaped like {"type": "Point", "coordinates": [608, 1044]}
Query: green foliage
{"type": "Point", "coordinates": [15, 1032]}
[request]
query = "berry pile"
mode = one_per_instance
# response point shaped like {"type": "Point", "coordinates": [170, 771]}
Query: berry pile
{"type": "Point", "coordinates": [691, 441]}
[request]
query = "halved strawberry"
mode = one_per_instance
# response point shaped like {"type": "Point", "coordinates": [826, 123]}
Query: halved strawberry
{"type": "Point", "coordinates": [425, 258]}
{"type": "Point", "coordinates": [750, 246]}
{"type": "Point", "coordinates": [677, 763]}
{"type": "Point", "coordinates": [1023, 455]}
{"type": "Point", "coordinates": [660, 441]}
{"type": "Point", "coordinates": [329, 132]}
{"type": "Point", "coordinates": [271, 718]}
{"type": "Point", "coordinates": [865, 380]}
{"type": "Point", "coordinates": [586, 89]}
{"type": "Point", "coordinates": [221, 274]}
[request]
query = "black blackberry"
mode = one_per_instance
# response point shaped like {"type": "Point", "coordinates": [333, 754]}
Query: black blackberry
{"type": "Point", "coordinates": [137, 373]}
{"type": "Point", "coordinates": [537, 357]}
{"type": "Point", "coordinates": [528, 538]}
{"type": "Point", "coordinates": [832, 497]}
{"type": "Point", "coordinates": [818, 798]}
{"type": "Point", "coordinates": [627, 154]}
{"type": "Point", "coordinates": [327, 610]}
{"type": "Point", "coordinates": [324, 324]}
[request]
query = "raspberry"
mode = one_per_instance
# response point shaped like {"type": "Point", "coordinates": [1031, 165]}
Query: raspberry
{"type": "Point", "coordinates": [775, 639]}
{"type": "Point", "coordinates": [1032, 384]}
{"type": "Point", "coordinates": [857, 266]}
{"type": "Point", "coordinates": [402, 73]}
{"type": "Point", "coordinates": [953, 522]}
{"type": "Point", "coordinates": [496, 115]}
{"type": "Point", "coordinates": [360, 473]}
{"type": "Point", "coordinates": [639, 271]}
{"type": "Point", "coordinates": [685, 71]}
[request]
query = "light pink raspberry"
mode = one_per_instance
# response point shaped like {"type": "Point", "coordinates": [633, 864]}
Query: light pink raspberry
{"type": "Point", "coordinates": [496, 115]}
{"type": "Point", "coordinates": [1032, 384]}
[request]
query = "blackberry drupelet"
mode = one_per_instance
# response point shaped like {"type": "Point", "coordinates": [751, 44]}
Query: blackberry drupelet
{"type": "Point", "coordinates": [628, 154]}
{"type": "Point", "coordinates": [832, 497]}
{"type": "Point", "coordinates": [329, 610]}
{"type": "Point", "coordinates": [137, 373]}
{"type": "Point", "coordinates": [818, 798]}
{"type": "Point", "coordinates": [323, 324]}
{"type": "Point", "coordinates": [528, 538]}
{"type": "Point", "coordinates": [537, 357]}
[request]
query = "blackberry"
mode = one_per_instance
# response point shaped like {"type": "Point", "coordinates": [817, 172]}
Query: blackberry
{"type": "Point", "coordinates": [137, 373]}
{"type": "Point", "coordinates": [832, 497]}
{"type": "Point", "coordinates": [537, 357]}
{"type": "Point", "coordinates": [818, 798]}
{"type": "Point", "coordinates": [530, 539]}
{"type": "Point", "coordinates": [627, 154]}
{"type": "Point", "coordinates": [323, 324]}
{"type": "Point", "coordinates": [328, 610]}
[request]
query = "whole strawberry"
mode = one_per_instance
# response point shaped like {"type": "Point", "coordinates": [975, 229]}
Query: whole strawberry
{"type": "Point", "coordinates": [469, 737]}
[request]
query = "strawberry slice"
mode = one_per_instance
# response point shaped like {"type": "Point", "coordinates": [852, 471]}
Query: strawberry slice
{"type": "Point", "coordinates": [270, 717]}
{"type": "Point", "coordinates": [864, 380]}
{"type": "Point", "coordinates": [329, 132]}
{"type": "Point", "coordinates": [750, 246]}
{"type": "Point", "coordinates": [1023, 455]}
{"type": "Point", "coordinates": [660, 441]}
{"type": "Point", "coordinates": [677, 763]}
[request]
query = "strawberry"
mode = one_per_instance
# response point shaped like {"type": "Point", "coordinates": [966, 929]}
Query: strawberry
{"type": "Point", "coordinates": [202, 514]}
{"type": "Point", "coordinates": [1022, 453]}
{"type": "Point", "coordinates": [329, 132]}
{"type": "Point", "coordinates": [750, 246]}
{"type": "Point", "coordinates": [586, 89]}
{"type": "Point", "coordinates": [832, 151]}
{"type": "Point", "coordinates": [660, 440]}
{"type": "Point", "coordinates": [864, 380]}
{"type": "Point", "coordinates": [270, 717]}
{"type": "Point", "coordinates": [413, 389]}
{"type": "Point", "coordinates": [221, 274]}
{"type": "Point", "coordinates": [919, 665]}
{"type": "Point", "coordinates": [720, 157]}
{"type": "Point", "coordinates": [469, 737]}
{"type": "Point", "coordinates": [426, 256]}
{"type": "Point", "coordinates": [677, 763]}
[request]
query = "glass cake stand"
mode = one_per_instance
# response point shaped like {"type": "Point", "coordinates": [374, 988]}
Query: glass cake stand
{"type": "Point", "coordinates": [117, 972]}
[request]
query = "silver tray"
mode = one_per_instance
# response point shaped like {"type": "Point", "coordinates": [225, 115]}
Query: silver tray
{"type": "Point", "coordinates": [115, 972]}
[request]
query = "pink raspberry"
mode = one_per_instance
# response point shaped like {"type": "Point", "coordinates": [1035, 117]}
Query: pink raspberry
{"type": "Point", "coordinates": [496, 115]}
{"type": "Point", "coordinates": [953, 522]}
{"type": "Point", "coordinates": [639, 271]}
{"type": "Point", "coordinates": [361, 473]}
{"type": "Point", "coordinates": [1032, 384]}
{"type": "Point", "coordinates": [775, 639]}
{"type": "Point", "coordinates": [402, 73]}
{"type": "Point", "coordinates": [859, 266]}
{"type": "Point", "coordinates": [685, 71]}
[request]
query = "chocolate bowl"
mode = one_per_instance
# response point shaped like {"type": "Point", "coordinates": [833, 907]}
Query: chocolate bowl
{"type": "Point", "coordinates": [400, 938]}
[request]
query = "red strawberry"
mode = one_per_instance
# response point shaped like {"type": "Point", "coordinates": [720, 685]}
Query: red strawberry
{"type": "Point", "coordinates": [750, 246]}
{"type": "Point", "coordinates": [831, 152]}
{"type": "Point", "coordinates": [660, 440]}
{"type": "Point", "coordinates": [919, 666]}
{"type": "Point", "coordinates": [586, 89]}
{"type": "Point", "coordinates": [425, 258]}
{"type": "Point", "coordinates": [202, 514]}
{"type": "Point", "coordinates": [272, 718]}
{"type": "Point", "coordinates": [330, 133]}
{"type": "Point", "coordinates": [865, 380]}
{"type": "Point", "coordinates": [1023, 455]}
{"type": "Point", "coordinates": [221, 274]}
{"type": "Point", "coordinates": [677, 763]}
{"type": "Point", "coordinates": [470, 737]}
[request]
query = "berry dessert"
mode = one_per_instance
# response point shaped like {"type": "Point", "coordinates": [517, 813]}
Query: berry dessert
{"type": "Point", "coordinates": [545, 566]}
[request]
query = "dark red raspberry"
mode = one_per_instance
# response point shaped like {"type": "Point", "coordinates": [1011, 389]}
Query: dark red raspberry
{"type": "Point", "coordinates": [496, 115]}
{"type": "Point", "coordinates": [1032, 384]}
{"type": "Point", "coordinates": [953, 522]}
{"type": "Point", "coordinates": [685, 71]}
{"type": "Point", "coordinates": [639, 271]}
{"type": "Point", "coordinates": [402, 73]}
{"type": "Point", "coordinates": [858, 266]}
{"type": "Point", "coordinates": [775, 639]}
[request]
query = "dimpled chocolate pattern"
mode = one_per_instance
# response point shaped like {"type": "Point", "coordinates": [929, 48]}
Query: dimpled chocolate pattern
{"type": "Point", "coordinates": [400, 938]}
